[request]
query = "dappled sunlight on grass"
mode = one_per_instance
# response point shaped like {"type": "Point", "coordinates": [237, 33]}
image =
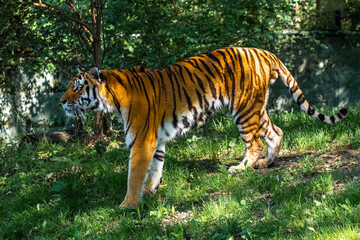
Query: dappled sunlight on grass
{"type": "Point", "coordinates": [73, 191]}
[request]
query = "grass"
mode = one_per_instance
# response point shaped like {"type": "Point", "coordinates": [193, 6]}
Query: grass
{"type": "Point", "coordinates": [55, 191]}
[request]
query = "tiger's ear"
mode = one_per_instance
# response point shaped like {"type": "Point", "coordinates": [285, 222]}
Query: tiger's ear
{"type": "Point", "coordinates": [81, 70]}
{"type": "Point", "coordinates": [96, 74]}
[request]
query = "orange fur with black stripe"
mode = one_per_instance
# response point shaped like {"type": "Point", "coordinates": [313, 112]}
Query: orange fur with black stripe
{"type": "Point", "coordinates": [158, 105]}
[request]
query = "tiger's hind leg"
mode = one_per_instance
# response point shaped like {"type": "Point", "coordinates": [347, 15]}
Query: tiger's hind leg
{"type": "Point", "coordinates": [156, 168]}
{"type": "Point", "coordinates": [272, 136]}
{"type": "Point", "coordinates": [249, 130]}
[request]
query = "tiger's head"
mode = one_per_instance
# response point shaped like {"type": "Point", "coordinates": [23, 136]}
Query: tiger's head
{"type": "Point", "coordinates": [83, 93]}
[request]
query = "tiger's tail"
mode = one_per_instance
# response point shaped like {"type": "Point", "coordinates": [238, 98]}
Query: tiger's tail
{"type": "Point", "coordinates": [299, 97]}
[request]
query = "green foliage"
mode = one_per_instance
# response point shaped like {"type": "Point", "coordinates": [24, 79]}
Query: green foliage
{"type": "Point", "coordinates": [152, 33]}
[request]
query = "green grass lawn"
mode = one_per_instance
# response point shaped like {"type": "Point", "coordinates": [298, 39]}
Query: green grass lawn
{"type": "Point", "coordinates": [73, 191]}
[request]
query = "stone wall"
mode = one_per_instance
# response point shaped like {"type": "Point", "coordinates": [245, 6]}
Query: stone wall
{"type": "Point", "coordinates": [33, 104]}
{"type": "Point", "coordinates": [328, 75]}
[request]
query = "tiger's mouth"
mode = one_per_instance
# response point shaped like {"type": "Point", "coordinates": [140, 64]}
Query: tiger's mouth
{"type": "Point", "coordinates": [74, 110]}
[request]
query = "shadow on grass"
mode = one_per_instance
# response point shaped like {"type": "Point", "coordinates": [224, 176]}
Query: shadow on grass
{"type": "Point", "coordinates": [62, 205]}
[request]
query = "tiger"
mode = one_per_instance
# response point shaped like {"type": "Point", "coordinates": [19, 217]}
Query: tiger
{"type": "Point", "coordinates": [158, 105]}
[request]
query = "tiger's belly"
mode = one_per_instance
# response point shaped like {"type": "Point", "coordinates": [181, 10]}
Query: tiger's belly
{"type": "Point", "coordinates": [182, 123]}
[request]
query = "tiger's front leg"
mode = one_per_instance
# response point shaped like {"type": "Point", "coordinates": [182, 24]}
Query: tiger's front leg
{"type": "Point", "coordinates": [140, 158]}
{"type": "Point", "coordinates": [156, 169]}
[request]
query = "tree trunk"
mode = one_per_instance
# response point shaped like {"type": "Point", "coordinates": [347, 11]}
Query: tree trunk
{"type": "Point", "coordinates": [100, 127]}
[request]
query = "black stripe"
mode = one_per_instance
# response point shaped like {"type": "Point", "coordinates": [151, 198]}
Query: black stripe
{"type": "Point", "coordinates": [339, 116]}
{"type": "Point", "coordinates": [265, 58]}
{"type": "Point", "coordinates": [115, 100]}
{"type": "Point", "coordinates": [189, 73]}
{"type": "Point", "coordinates": [212, 106]}
{"type": "Point", "coordinates": [248, 118]}
{"type": "Point", "coordinates": [151, 79]}
{"type": "Point", "coordinates": [172, 86]}
{"type": "Point", "coordinates": [288, 79]}
{"type": "Point", "coordinates": [321, 117]}
{"type": "Point", "coordinates": [212, 87]}
{"type": "Point", "coordinates": [127, 129]}
{"type": "Point", "coordinates": [301, 99]}
{"type": "Point", "coordinates": [186, 123]}
{"type": "Point", "coordinates": [136, 76]}
{"type": "Point", "coordinates": [118, 79]}
{"type": "Point", "coordinates": [207, 68]}
{"type": "Point", "coordinates": [344, 111]}
{"type": "Point", "coordinates": [200, 98]}
{"type": "Point", "coordinates": [332, 118]}
{"type": "Point", "coordinates": [262, 114]}
{"type": "Point", "coordinates": [222, 54]}
{"type": "Point", "coordinates": [247, 112]}
{"type": "Point", "coordinates": [194, 63]}
{"type": "Point", "coordinates": [173, 73]}
{"type": "Point", "coordinates": [199, 82]}
{"type": "Point", "coordinates": [310, 111]}
{"type": "Point", "coordinates": [146, 126]}
{"type": "Point", "coordinates": [174, 121]}
{"type": "Point", "coordinates": [159, 158]}
{"type": "Point", "coordinates": [246, 54]}
{"type": "Point", "coordinates": [263, 123]}
{"type": "Point", "coordinates": [218, 72]}
{"type": "Point", "coordinates": [188, 100]}
{"type": "Point", "coordinates": [181, 72]}
{"type": "Point", "coordinates": [163, 85]}
{"type": "Point", "coordinates": [260, 62]}
{"type": "Point", "coordinates": [129, 112]}
{"type": "Point", "coordinates": [274, 129]}
{"type": "Point", "coordinates": [221, 98]}
{"type": "Point", "coordinates": [96, 105]}
{"type": "Point", "coordinates": [231, 57]}
{"type": "Point", "coordinates": [294, 89]}
{"type": "Point", "coordinates": [233, 51]}
{"type": "Point", "coordinates": [132, 143]}
{"type": "Point", "coordinates": [162, 120]}
{"type": "Point", "coordinates": [242, 77]}
{"type": "Point", "coordinates": [210, 55]}
{"type": "Point", "coordinates": [128, 81]}
{"type": "Point", "coordinates": [249, 126]}
{"type": "Point", "coordinates": [195, 116]}
{"type": "Point", "coordinates": [88, 91]}
{"type": "Point", "coordinates": [160, 151]}
{"type": "Point", "coordinates": [231, 75]}
{"type": "Point", "coordinates": [88, 100]}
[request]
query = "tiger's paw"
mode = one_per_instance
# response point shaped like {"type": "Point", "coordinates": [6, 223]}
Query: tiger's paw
{"type": "Point", "coordinates": [126, 204]}
{"type": "Point", "coordinates": [237, 169]}
{"type": "Point", "coordinates": [152, 188]}
{"type": "Point", "coordinates": [264, 163]}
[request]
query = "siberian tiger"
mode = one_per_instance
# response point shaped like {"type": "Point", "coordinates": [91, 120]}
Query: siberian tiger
{"type": "Point", "coordinates": [158, 105]}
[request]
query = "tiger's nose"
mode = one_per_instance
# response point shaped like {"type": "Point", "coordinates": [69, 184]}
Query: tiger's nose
{"type": "Point", "coordinates": [63, 101]}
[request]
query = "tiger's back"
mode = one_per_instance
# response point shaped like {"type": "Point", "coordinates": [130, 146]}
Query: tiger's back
{"type": "Point", "coordinates": [158, 105]}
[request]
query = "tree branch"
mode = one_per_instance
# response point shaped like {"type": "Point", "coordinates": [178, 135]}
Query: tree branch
{"type": "Point", "coordinates": [93, 13]}
{"type": "Point", "coordinates": [73, 8]}
{"type": "Point", "coordinates": [39, 4]}
{"type": "Point", "coordinates": [82, 40]}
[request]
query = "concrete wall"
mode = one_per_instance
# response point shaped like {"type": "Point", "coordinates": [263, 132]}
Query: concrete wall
{"type": "Point", "coordinates": [327, 75]}
{"type": "Point", "coordinates": [34, 103]}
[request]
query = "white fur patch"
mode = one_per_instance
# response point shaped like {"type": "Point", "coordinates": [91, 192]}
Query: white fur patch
{"type": "Point", "coordinates": [78, 84]}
